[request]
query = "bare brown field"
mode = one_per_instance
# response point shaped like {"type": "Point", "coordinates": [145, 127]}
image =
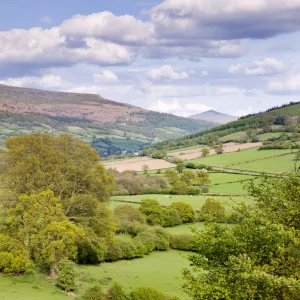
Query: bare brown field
{"type": "Point", "coordinates": [136, 164]}
{"type": "Point", "coordinates": [196, 153]}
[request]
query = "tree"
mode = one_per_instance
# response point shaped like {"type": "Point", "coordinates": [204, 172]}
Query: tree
{"type": "Point", "coordinates": [179, 188]}
{"type": "Point", "coordinates": [171, 175]}
{"type": "Point", "coordinates": [145, 168]}
{"type": "Point", "coordinates": [188, 176]}
{"type": "Point", "coordinates": [153, 212]}
{"type": "Point", "coordinates": [57, 241]}
{"type": "Point", "coordinates": [213, 210]}
{"type": "Point", "coordinates": [66, 279]}
{"type": "Point", "coordinates": [65, 165]}
{"type": "Point", "coordinates": [219, 149]}
{"type": "Point", "coordinates": [116, 292]}
{"type": "Point", "coordinates": [203, 177]}
{"type": "Point", "coordinates": [180, 167]}
{"type": "Point", "coordinates": [205, 152]}
{"type": "Point", "coordinates": [186, 212]}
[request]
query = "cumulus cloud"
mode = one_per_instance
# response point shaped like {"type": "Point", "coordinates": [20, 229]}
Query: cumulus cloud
{"type": "Point", "coordinates": [290, 84]}
{"type": "Point", "coordinates": [267, 66]}
{"type": "Point", "coordinates": [225, 19]}
{"type": "Point", "coordinates": [46, 81]}
{"type": "Point", "coordinates": [106, 76]}
{"type": "Point", "coordinates": [167, 72]}
{"type": "Point", "coordinates": [197, 107]}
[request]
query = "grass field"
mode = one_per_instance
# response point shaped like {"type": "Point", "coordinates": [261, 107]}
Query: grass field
{"type": "Point", "coordinates": [230, 188]}
{"type": "Point", "coordinates": [184, 228]}
{"type": "Point", "coordinates": [241, 157]}
{"type": "Point", "coordinates": [29, 287]}
{"type": "Point", "coordinates": [195, 201]}
{"type": "Point", "coordinates": [279, 164]}
{"type": "Point", "coordinates": [270, 135]}
{"type": "Point", "coordinates": [227, 177]}
{"type": "Point", "coordinates": [160, 270]}
{"type": "Point", "coordinates": [236, 136]}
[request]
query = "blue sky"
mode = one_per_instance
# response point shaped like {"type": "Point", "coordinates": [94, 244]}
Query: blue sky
{"type": "Point", "coordinates": [176, 56]}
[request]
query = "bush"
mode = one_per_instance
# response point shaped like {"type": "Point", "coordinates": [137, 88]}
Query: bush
{"type": "Point", "coordinates": [130, 220]}
{"type": "Point", "coordinates": [193, 190]}
{"type": "Point", "coordinates": [116, 292]}
{"type": "Point", "coordinates": [213, 210]}
{"type": "Point", "coordinates": [13, 256]}
{"type": "Point", "coordinates": [66, 279]}
{"type": "Point", "coordinates": [204, 189]}
{"type": "Point", "coordinates": [153, 212]}
{"type": "Point", "coordinates": [186, 212]}
{"type": "Point", "coordinates": [179, 188]}
{"type": "Point", "coordinates": [125, 250]}
{"type": "Point", "coordinates": [155, 239]}
{"type": "Point", "coordinates": [190, 165]}
{"type": "Point", "coordinates": [146, 293]}
{"type": "Point", "coordinates": [171, 218]}
{"type": "Point", "coordinates": [120, 192]}
{"type": "Point", "coordinates": [94, 293]}
{"type": "Point", "coordinates": [183, 242]}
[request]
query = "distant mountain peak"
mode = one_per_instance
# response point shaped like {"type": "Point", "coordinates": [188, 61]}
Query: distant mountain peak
{"type": "Point", "coordinates": [214, 116]}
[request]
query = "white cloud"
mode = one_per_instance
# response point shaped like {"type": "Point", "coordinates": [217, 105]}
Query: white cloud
{"type": "Point", "coordinates": [267, 66]}
{"type": "Point", "coordinates": [173, 106]}
{"type": "Point", "coordinates": [46, 81]}
{"type": "Point", "coordinates": [167, 72]}
{"type": "Point", "coordinates": [46, 20]}
{"type": "Point", "coordinates": [106, 76]}
{"type": "Point", "coordinates": [290, 84]}
{"type": "Point", "coordinates": [243, 112]}
{"type": "Point", "coordinates": [197, 107]}
{"type": "Point", "coordinates": [204, 73]}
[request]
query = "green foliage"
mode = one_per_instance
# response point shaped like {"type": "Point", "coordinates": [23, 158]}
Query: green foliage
{"type": "Point", "coordinates": [155, 239]}
{"type": "Point", "coordinates": [203, 178]}
{"type": "Point", "coordinates": [186, 212]}
{"type": "Point", "coordinates": [130, 220]}
{"type": "Point", "coordinates": [171, 218]}
{"type": "Point", "coordinates": [179, 188]}
{"type": "Point", "coordinates": [94, 293]}
{"type": "Point", "coordinates": [193, 190]}
{"type": "Point", "coordinates": [213, 210]}
{"type": "Point", "coordinates": [171, 175]}
{"type": "Point", "coordinates": [184, 242]}
{"type": "Point", "coordinates": [187, 176]}
{"type": "Point", "coordinates": [180, 167]}
{"type": "Point", "coordinates": [146, 293]}
{"type": "Point", "coordinates": [205, 152]}
{"type": "Point", "coordinates": [116, 292]}
{"type": "Point", "coordinates": [153, 212]}
{"type": "Point", "coordinates": [204, 189]}
{"type": "Point", "coordinates": [66, 279]}
{"type": "Point", "coordinates": [13, 256]}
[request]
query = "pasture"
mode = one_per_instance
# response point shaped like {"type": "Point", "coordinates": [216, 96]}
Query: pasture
{"type": "Point", "coordinates": [160, 270]}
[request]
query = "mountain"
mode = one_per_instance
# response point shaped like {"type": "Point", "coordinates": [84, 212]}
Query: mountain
{"type": "Point", "coordinates": [278, 128]}
{"type": "Point", "coordinates": [111, 127]}
{"type": "Point", "coordinates": [214, 116]}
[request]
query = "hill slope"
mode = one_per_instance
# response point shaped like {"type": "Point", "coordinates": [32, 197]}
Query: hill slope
{"type": "Point", "coordinates": [274, 127]}
{"type": "Point", "coordinates": [214, 116]}
{"type": "Point", "coordinates": [110, 126]}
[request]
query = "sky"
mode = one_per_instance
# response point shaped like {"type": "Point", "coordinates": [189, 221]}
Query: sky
{"type": "Point", "coordinates": [175, 56]}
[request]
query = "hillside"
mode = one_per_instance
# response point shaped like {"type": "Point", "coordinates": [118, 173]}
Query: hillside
{"type": "Point", "coordinates": [111, 127]}
{"type": "Point", "coordinates": [273, 127]}
{"type": "Point", "coordinates": [214, 116]}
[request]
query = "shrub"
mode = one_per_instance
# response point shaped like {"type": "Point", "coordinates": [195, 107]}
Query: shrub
{"type": "Point", "coordinates": [190, 165]}
{"type": "Point", "coordinates": [179, 188]}
{"type": "Point", "coordinates": [120, 192]}
{"type": "Point", "coordinates": [171, 218]}
{"type": "Point", "coordinates": [94, 293]}
{"type": "Point", "coordinates": [146, 293]}
{"type": "Point", "coordinates": [156, 238]}
{"type": "Point", "coordinates": [186, 212]}
{"type": "Point", "coordinates": [193, 190]}
{"type": "Point", "coordinates": [116, 292]}
{"type": "Point", "coordinates": [183, 242]}
{"type": "Point", "coordinates": [13, 256]}
{"type": "Point", "coordinates": [204, 189]}
{"type": "Point", "coordinates": [130, 220]}
{"type": "Point", "coordinates": [66, 279]}
{"type": "Point", "coordinates": [125, 250]}
{"type": "Point", "coordinates": [153, 212]}
{"type": "Point", "coordinates": [213, 210]}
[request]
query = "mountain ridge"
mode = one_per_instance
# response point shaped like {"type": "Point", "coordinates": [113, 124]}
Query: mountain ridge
{"type": "Point", "coordinates": [214, 116]}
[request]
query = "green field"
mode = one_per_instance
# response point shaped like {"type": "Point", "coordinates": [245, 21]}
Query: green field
{"type": "Point", "coordinates": [29, 287]}
{"type": "Point", "coordinates": [195, 201]}
{"type": "Point", "coordinates": [236, 137]}
{"type": "Point", "coordinates": [184, 228]}
{"type": "Point", "coordinates": [240, 157]}
{"type": "Point", "coordinates": [270, 135]}
{"type": "Point", "coordinates": [160, 270]}
{"type": "Point", "coordinates": [227, 177]}
{"type": "Point", "coordinates": [228, 188]}
{"type": "Point", "coordinates": [279, 164]}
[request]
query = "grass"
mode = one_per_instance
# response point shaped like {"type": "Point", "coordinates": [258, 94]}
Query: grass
{"type": "Point", "coordinates": [160, 270]}
{"type": "Point", "coordinates": [29, 287]}
{"type": "Point", "coordinates": [184, 228]}
{"type": "Point", "coordinates": [195, 201]}
{"type": "Point", "coordinates": [230, 188]}
{"type": "Point", "coordinates": [270, 135]}
{"type": "Point", "coordinates": [239, 157]}
{"type": "Point", "coordinates": [236, 136]}
{"type": "Point", "coordinates": [227, 177]}
{"type": "Point", "coordinates": [279, 164]}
